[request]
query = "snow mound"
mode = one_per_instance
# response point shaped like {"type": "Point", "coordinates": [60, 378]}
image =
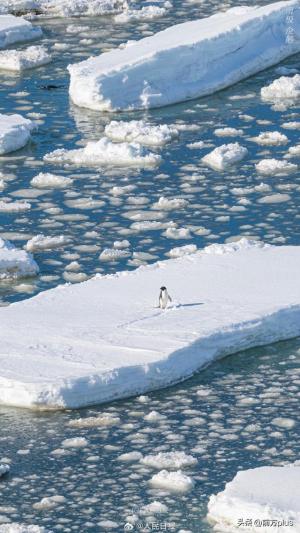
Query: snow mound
{"type": "Point", "coordinates": [16, 29]}
{"type": "Point", "coordinates": [174, 482]}
{"type": "Point", "coordinates": [169, 460]}
{"type": "Point", "coordinates": [41, 242]}
{"type": "Point", "coordinates": [145, 13]}
{"type": "Point", "coordinates": [116, 344]}
{"type": "Point", "coordinates": [284, 88]}
{"type": "Point", "coordinates": [105, 152]}
{"type": "Point", "coordinates": [4, 469]}
{"type": "Point", "coordinates": [183, 61]}
{"type": "Point", "coordinates": [268, 493]}
{"type": "Point", "coordinates": [225, 156]}
{"type": "Point", "coordinates": [14, 132]}
{"type": "Point", "coordinates": [18, 60]}
{"type": "Point", "coordinates": [271, 167]}
{"type": "Point", "coordinates": [50, 181]}
{"type": "Point", "coordinates": [141, 132]}
{"type": "Point", "coordinates": [14, 263]}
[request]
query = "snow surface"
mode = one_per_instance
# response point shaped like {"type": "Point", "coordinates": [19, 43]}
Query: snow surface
{"type": "Point", "coordinates": [19, 60]}
{"type": "Point", "coordinates": [187, 60]}
{"type": "Point", "coordinates": [16, 29]}
{"type": "Point", "coordinates": [116, 342]}
{"type": "Point", "coordinates": [14, 132]}
{"type": "Point", "coordinates": [14, 263]}
{"type": "Point", "coordinates": [264, 493]}
{"type": "Point", "coordinates": [105, 152]}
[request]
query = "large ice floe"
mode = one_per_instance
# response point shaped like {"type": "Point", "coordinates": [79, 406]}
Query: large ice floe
{"type": "Point", "coordinates": [15, 132]}
{"type": "Point", "coordinates": [105, 338]}
{"type": "Point", "coordinates": [16, 29]}
{"type": "Point", "coordinates": [19, 60]}
{"type": "Point", "coordinates": [267, 497]}
{"type": "Point", "coordinates": [187, 60]}
{"type": "Point", "coordinates": [14, 263]}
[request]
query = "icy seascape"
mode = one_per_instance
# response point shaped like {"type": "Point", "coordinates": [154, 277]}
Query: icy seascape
{"type": "Point", "coordinates": [203, 196]}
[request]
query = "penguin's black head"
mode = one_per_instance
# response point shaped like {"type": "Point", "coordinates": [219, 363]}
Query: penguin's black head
{"type": "Point", "coordinates": [163, 288]}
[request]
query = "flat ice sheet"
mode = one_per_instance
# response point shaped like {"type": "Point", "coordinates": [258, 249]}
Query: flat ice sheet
{"type": "Point", "coordinates": [105, 338]}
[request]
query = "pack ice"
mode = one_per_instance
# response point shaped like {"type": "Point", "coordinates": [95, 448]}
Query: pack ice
{"type": "Point", "coordinates": [16, 29]}
{"type": "Point", "coordinates": [262, 495]}
{"type": "Point", "coordinates": [187, 60]}
{"type": "Point", "coordinates": [105, 338]}
{"type": "Point", "coordinates": [14, 132]}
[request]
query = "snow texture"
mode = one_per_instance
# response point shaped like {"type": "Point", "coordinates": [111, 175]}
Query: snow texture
{"type": "Point", "coordinates": [187, 60]}
{"type": "Point", "coordinates": [116, 342]}
{"type": "Point", "coordinates": [14, 132]}
{"type": "Point", "coordinates": [265, 493]}
{"type": "Point", "coordinates": [14, 263]}
{"type": "Point", "coordinates": [19, 60]}
{"type": "Point", "coordinates": [16, 29]}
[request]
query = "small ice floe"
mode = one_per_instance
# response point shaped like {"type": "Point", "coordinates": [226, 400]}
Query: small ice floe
{"type": "Point", "coordinates": [271, 167]}
{"type": "Point", "coordinates": [174, 482]}
{"type": "Point", "coordinates": [169, 204]}
{"type": "Point", "coordinates": [268, 493]}
{"type": "Point", "coordinates": [14, 207]}
{"type": "Point", "coordinates": [50, 181]}
{"type": "Point", "coordinates": [4, 469]}
{"type": "Point", "coordinates": [105, 152]}
{"type": "Point", "coordinates": [284, 88]}
{"type": "Point", "coordinates": [15, 132]}
{"type": "Point", "coordinates": [15, 264]}
{"type": "Point", "coordinates": [42, 242]}
{"type": "Point", "coordinates": [76, 442]}
{"type": "Point", "coordinates": [141, 132]}
{"type": "Point", "coordinates": [277, 198]}
{"type": "Point", "coordinates": [180, 251]}
{"type": "Point", "coordinates": [154, 417]}
{"type": "Point", "coordinates": [291, 125]}
{"type": "Point", "coordinates": [242, 191]}
{"type": "Point", "coordinates": [130, 457]}
{"type": "Point", "coordinates": [286, 423]}
{"type": "Point", "coordinates": [271, 138]}
{"type": "Point", "coordinates": [294, 151]}
{"type": "Point", "coordinates": [48, 503]}
{"type": "Point", "coordinates": [104, 420]}
{"type": "Point", "coordinates": [153, 508]}
{"type": "Point", "coordinates": [120, 245]}
{"type": "Point", "coordinates": [19, 60]}
{"type": "Point", "coordinates": [79, 8]}
{"type": "Point", "coordinates": [112, 254]}
{"type": "Point", "coordinates": [13, 527]}
{"type": "Point", "coordinates": [145, 13]}
{"type": "Point", "coordinates": [228, 132]}
{"type": "Point", "coordinates": [169, 460]}
{"type": "Point", "coordinates": [16, 29]}
{"type": "Point", "coordinates": [177, 233]}
{"type": "Point", "coordinates": [230, 247]}
{"type": "Point", "coordinates": [225, 156]}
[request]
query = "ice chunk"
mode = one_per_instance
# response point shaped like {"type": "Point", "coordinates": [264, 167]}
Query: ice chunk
{"type": "Point", "coordinates": [105, 152]}
{"type": "Point", "coordinates": [271, 167]}
{"type": "Point", "coordinates": [183, 61]}
{"type": "Point", "coordinates": [268, 493]}
{"type": "Point", "coordinates": [76, 442]}
{"type": "Point", "coordinates": [180, 251]}
{"type": "Point", "coordinates": [4, 469]}
{"type": "Point", "coordinates": [284, 88]}
{"type": "Point", "coordinates": [16, 29]}
{"type": "Point", "coordinates": [169, 460]}
{"type": "Point", "coordinates": [14, 132]}
{"type": "Point", "coordinates": [105, 420]}
{"type": "Point", "coordinates": [18, 60]}
{"type": "Point", "coordinates": [168, 204]}
{"type": "Point", "coordinates": [270, 138]}
{"type": "Point", "coordinates": [175, 482]}
{"type": "Point", "coordinates": [50, 181]}
{"type": "Point", "coordinates": [78, 8]}
{"type": "Point", "coordinates": [145, 13]}
{"type": "Point", "coordinates": [141, 132]}
{"type": "Point", "coordinates": [41, 242]}
{"type": "Point", "coordinates": [14, 263]}
{"type": "Point", "coordinates": [22, 528]}
{"type": "Point", "coordinates": [225, 156]}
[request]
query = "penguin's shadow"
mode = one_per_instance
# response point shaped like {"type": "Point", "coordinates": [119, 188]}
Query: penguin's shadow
{"type": "Point", "coordinates": [191, 304]}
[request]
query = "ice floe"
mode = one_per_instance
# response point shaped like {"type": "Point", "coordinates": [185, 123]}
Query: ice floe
{"type": "Point", "coordinates": [169, 460]}
{"type": "Point", "coordinates": [116, 346]}
{"type": "Point", "coordinates": [183, 61]}
{"type": "Point", "coordinates": [105, 152]}
{"type": "Point", "coordinates": [14, 263]}
{"type": "Point", "coordinates": [225, 156]}
{"type": "Point", "coordinates": [12, 527]}
{"type": "Point", "coordinates": [18, 60]}
{"type": "Point", "coordinates": [42, 242]}
{"type": "Point", "coordinates": [174, 482]}
{"type": "Point", "coordinates": [145, 13]}
{"type": "Point", "coordinates": [4, 469]}
{"type": "Point", "coordinates": [271, 138]}
{"type": "Point", "coordinates": [270, 167]}
{"type": "Point", "coordinates": [262, 495]}
{"type": "Point", "coordinates": [16, 29]}
{"type": "Point", "coordinates": [141, 132]}
{"type": "Point", "coordinates": [15, 132]}
{"type": "Point", "coordinates": [284, 88]}
{"type": "Point", "coordinates": [50, 181]}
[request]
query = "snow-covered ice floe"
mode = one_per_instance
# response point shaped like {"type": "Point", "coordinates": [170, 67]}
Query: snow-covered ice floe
{"type": "Point", "coordinates": [105, 152]}
{"type": "Point", "coordinates": [12, 527]}
{"type": "Point", "coordinates": [141, 132]}
{"type": "Point", "coordinates": [117, 343]}
{"type": "Point", "coordinates": [78, 8]}
{"type": "Point", "coordinates": [225, 156]}
{"type": "Point", "coordinates": [16, 29]}
{"type": "Point", "coordinates": [18, 60]}
{"type": "Point", "coordinates": [14, 263]}
{"type": "Point", "coordinates": [15, 132]}
{"type": "Point", "coordinates": [268, 493]}
{"type": "Point", "coordinates": [284, 88]}
{"type": "Point", "coordinates": [187, 60]}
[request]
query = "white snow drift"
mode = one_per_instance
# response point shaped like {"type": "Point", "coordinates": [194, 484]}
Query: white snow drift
{"type": "Point", "coordinates": [270, 493]}
{"type": "Point", "coordinates": [112, 347]}
{"type": "Point", "coordinates": [19, 60]}
{"type": "Point", "coordinates": [14, 132]}
{"type": "Point", "coordinates": [105, 152]}
{"type": "Point", "coordinates": [187, 60]}
{"type": "Point", "coordinates": [14, 263]}
{"type": "Point", "coordinates": [16, 29]}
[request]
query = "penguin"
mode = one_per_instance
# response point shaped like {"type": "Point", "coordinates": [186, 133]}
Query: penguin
{"type": "Point", "coordinates": [164, 298]}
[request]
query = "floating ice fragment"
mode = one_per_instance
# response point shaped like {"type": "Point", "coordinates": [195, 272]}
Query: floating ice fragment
{"type": "Point", "coordinates": [174, 482]}
{"type": "Point", "coordinates": [225, 156]}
